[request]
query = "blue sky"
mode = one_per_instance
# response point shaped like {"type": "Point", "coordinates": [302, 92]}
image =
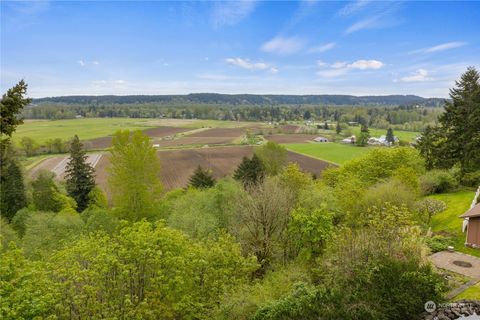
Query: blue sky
{"type": "Point", "coordinates": [308, 47]}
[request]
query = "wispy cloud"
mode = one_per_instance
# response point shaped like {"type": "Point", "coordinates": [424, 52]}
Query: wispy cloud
{"type": "Point", "coordinates": [352, 7]}
{"type": "Point", "coordinates": [367, 23]}
{"type": "Point", "coordinates": [342, 67]}
{"type": "Point", "coordinates": [419, 75]}
{"type": "Point", "coordinates": [84, 63]}
{"type": "Point", "coordinates": [228, 13]}
{"type": "Point", "coordinates": [250, 65]}
{"type": "Point", "coordinates": [380, 15]}
{"type": "Point", "coordinates": [322, 48]}
{"type": "Point", "coordinates": [282, 45]}
{"type": "Point", "coordinates": [441, 47]}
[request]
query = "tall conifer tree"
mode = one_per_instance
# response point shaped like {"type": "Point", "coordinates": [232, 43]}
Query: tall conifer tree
{"type": "Point", "coordinates": [80, 175]}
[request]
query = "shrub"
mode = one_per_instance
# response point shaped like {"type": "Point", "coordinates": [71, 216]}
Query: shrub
{"type": "Point", "coordinates": [437, 181]}
{"type": "Point", "coordinates": [438, 243]}
{"type": "Point", "coordinates": [471, 179]}
{"type": "Point", "coordinates": [429, 207]}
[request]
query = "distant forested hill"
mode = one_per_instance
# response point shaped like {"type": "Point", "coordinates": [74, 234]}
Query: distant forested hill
{"type": "Point", "coordinates": [247, 99]}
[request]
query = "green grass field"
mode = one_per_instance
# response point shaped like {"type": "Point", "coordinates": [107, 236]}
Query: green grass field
{"type": "Point", "coordinates": [402, 135]}
{"type": "Point", "coordinates": [471, 293]}
{"type": "Point", "coordinates": [449, 221]}
{"type": "Point", "coordinates": [332, 152]}
{"type": "Point", "coordinates": [89, 128]}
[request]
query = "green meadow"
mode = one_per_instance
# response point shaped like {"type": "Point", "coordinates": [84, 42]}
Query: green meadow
{"type": "Point", "coordinates": [90, 128]}
{"type": "Point", "coordinates": [333, 152]}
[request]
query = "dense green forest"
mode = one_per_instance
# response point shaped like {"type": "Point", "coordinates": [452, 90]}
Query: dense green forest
{"type": "Point", "coordinates": [270, 242]}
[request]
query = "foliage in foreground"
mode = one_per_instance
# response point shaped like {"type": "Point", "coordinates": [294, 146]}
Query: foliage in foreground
{"type": "Point", "coordinates": [124, 275]}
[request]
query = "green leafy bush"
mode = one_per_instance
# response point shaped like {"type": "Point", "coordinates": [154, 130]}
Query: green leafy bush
{"type": "Point", "coordinates": [438, 243]}
{"type": "Point", "coordinates": [437, 181]}
{"type": "Point", "coordinates": [471, 179]}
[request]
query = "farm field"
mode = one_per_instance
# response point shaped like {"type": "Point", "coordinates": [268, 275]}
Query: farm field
{"type": "Point", "coordinates": [91, 128]}
{"type": "Point", "coordinates": [333, 152]}
{"type": "Point", "coordinates": [448, 221]}
{"type": "Point", "coordinates": [178, 165]}
{"type": "Point", "coordinates": [154, 133]}
{"type": "Point", "coordinates": [290, 138]}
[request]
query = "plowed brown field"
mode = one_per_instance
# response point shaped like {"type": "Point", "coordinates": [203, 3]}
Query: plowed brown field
{"type": "Point", "coordinates": [178, 165]}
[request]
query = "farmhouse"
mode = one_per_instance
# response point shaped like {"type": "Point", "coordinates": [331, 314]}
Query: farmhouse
{"type": "Point", "coordinates": [349, 140]}
{"type": "Point", "coordinates": [472, 226]}
{"type": "Point", "coordinates": [320, 139]}
{"type": "Point", "coordinates": [382, 141]}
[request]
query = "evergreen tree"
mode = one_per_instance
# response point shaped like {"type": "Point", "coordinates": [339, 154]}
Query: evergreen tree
{"type": "Point", "coordinates": [307, 115]}
{"type": "Point", "coordinates": [338, 129]}
{"type": "Point", "coordinates": [12, 188]}
{"type": "Point", "coordinates": [202, 178]}
{"type": "Point", "coordinates": [390, 137]}
{"type": "Point", "coordinates": [460, 123]}
{"type": "Point", "coordinates": [430, 145]}
{"type": "Point", "coordinates": [325, 125]}
{"type": "Point", "coordinates": [362, 140]}
{"type": "Point", "coordinates": [11, 106]}
{"type": "Point", "coordinates": [79, 175]}
{"type": "Point", "coordinates": [250, 171]}
{"type": "Point", "coordinates": [12, 191]}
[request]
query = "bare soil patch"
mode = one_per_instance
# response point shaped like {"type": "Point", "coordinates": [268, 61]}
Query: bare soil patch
{"type": "Point", "coordinates": [177, 166]}
{"type": "Point", "coordinates": [290, 138]}
{"type": "Point", "coordinates": [289, 128]}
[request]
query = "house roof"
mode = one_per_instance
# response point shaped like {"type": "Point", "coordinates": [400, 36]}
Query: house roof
{"type": "Point", "coordinates": [473, 212]}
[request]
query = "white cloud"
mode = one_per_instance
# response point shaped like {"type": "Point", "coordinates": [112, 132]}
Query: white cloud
{"type": "Point", "coordinates": [322, 48]}
{"type": "Point", "coordinates": [81, 63]}
{"type": "Point", "coordinates": [273, 70]}
{"type": "Point", "coordinates": [247, 64]}
{"type": "Point", "coordinates": [227, 13]}
{"type": "Point", "coordinates": [366, 64]}
{"type": "Point", "coordinates": [341, 67]}
{"type": "Point", "coordinates": [418, 76]}
{"type": "Point", "coordinates": [442, 47]}
{"type": "Point", "coordinates": [321, 63]}
{"type": "Point", "coordinates": [283, 46]}
{"type": "Point", "coordinates": [352, 7]}
{"type": "Point", "coordinates": [95, 62]}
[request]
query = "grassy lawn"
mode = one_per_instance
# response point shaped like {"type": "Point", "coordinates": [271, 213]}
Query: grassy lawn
{"type": "Point", "coordinates": [332, 152]}
{"type": "Point", "coordinates": [402, 135]}
{"type": "Point", "coordinates": [471, 293]}
{"type": "Point", "coordinates": [89, 128]}
{"type": "Point", "coordinates": [448, 221]}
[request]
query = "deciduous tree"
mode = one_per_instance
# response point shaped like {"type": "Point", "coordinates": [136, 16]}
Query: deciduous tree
{"type": "Point", "coordinates": [134, 175]}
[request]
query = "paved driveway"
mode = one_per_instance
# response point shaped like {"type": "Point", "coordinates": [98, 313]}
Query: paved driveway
{"type": "Point", "coordinates": [446, 259]}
